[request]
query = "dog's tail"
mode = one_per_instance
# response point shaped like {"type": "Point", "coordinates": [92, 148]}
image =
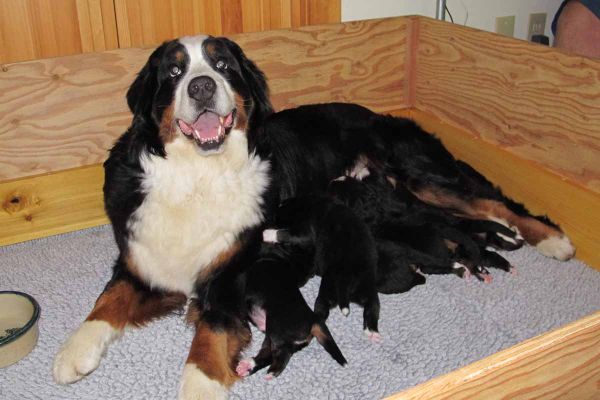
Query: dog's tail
{"type": "Point", "coordinates": [320, 331]}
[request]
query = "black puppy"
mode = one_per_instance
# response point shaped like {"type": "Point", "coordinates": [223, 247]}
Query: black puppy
{"type": "Point", "coordinates": [433, 240]}
{"type": "Point", "coordinates": [344, 253]}
{"type": "Point", "coordinates": [278, 308]}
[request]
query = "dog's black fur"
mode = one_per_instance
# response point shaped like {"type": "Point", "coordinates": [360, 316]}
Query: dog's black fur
{"type": "Point", "coordinates": [274, 298]}
{"type": "Point", "coordinates": [311, 145]}
{"type": "Point", "coordinates": [344, 253]}
{"type": "Point", "coordinates": [434, 241]}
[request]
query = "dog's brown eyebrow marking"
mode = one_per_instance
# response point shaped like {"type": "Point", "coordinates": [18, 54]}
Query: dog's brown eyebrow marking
{"type": "Point", "coordinates": [210, 48]}
{"type": "Point", "coordinates": [179, 55]}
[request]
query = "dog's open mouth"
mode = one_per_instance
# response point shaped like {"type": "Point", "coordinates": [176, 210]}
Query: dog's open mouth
{"type": "Point", "coordinates": [209, 129]}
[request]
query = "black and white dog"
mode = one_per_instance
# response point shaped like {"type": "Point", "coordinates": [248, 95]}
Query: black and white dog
{"type": "Point", "coordinates": [186, 198]}
{"type": "Point", "coordinates": [190, 183]}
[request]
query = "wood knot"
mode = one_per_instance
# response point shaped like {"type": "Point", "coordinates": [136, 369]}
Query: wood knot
{"type": "Point", "coordinates": [55, 77]}
{"type": "Point", "coordinates": [18, 201]}
{"type": "Point", "coordinates": [4, 68]}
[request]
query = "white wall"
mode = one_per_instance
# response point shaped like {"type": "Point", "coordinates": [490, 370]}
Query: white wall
{"type": "Point", "coordinates": [480, 14]}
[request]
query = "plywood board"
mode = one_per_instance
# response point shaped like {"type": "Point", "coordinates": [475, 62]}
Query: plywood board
{"type": "Point", "coordinates": [533, 101]}
{"type": "Point", "coordinates": [563, 364]}
{"type": "Point", "coordinates": [46, 205]}
{"type": "Point", "coordinates": [66, 112]}
{"type": "Point", "coordinates": [574, 207]}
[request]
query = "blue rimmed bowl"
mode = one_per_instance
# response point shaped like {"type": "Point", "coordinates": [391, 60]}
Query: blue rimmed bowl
{"type": "Point", "coordinates": [19, 314]}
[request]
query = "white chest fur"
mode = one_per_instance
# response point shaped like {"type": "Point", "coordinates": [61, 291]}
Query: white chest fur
{"type": "Point", "coordinates": [194, 208]}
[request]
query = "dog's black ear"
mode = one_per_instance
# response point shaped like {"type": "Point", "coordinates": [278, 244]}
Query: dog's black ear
{"type": "Point", "coordinates": [320, 331]}
{"type": "Point", "coordinates": [141, 92]}
{"type": "Point", "coordinates": [255, 81]}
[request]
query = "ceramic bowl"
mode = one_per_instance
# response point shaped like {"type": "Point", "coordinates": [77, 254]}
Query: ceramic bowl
{"type": "Point", "coordinates": [19, 313]}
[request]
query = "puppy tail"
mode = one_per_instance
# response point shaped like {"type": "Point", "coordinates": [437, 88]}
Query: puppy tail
{"type": "Point", "coordinates": [320, 331]}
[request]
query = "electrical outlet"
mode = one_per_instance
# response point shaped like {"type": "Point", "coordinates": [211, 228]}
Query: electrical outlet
{"type": "Point", "coordinates": [506, 25]}
{"type": "Point", "coordinates": [537, 25]}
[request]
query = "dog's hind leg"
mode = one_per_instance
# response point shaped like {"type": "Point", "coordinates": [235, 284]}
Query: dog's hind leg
{"type": "Point", "coordinates": [537, 231]}
{"type": "Point", "coordinates": [323, 302]}
{"type": "Point", "coordinates": [371, 316]}
{"type": "Point", "coordinates": [261, 360]}
{"type": "Point", "coordinates": [492, 259]}
{"type": "Point", "coordinates": [281, 358]}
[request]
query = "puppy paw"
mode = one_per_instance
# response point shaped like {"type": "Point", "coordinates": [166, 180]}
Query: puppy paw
{"type": "Point", "coordinates": [484, 276]}
{"type": "Point", "coordinates": [270, 236]}
{"type": "Point", "coordinates": [195, 385]}
{"type": "Point", "coordinates": [244, 367]}
{"type": "Point", "coordinates": [345, 311]}
{"type": "Point", "coordinates": [559, 247]}
{"type": "Point", "coordinates": [82, 352]}
{"type": "Point", "coordinates": [269, 376]}
{"type": "Point", "coordinates": [373, 336]}
{"type": "Point", "coordinates": [339, 179]}
{"type": "Point", "coordinates": [461, 270]}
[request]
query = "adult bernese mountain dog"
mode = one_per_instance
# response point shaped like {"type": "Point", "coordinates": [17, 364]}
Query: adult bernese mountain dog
{"type": "Point", "coordinates": [191, 184]}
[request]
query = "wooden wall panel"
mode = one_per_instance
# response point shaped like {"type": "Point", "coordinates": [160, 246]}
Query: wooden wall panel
{"type": "Point", "coordinates": [66, 112]}
{"type": "Point", "coordinates": [572, 206]}
{"type": "Point", "coordinates": [31, 29]}
{"type": "Point", "coordinates": [533, 101]}
{"type": "Point", "coordinates": [149, 22]}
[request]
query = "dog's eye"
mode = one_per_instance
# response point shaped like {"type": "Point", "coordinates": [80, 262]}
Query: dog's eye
{"type": "Point", "coordinates": [222, 65]}
{"type": "Point", "coordinates": [174, 70]}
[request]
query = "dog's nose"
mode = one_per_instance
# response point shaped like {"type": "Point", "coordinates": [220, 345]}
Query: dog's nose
{"type": "Point", "coordinates": [202, 88]}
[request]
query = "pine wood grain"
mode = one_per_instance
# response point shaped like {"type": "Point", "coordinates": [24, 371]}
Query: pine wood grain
{"type": "Point", "coordinates": [149, 22]}
{"type": "Point", "coordinates": [50, 204]}
{"type": "Point", "coordinates": [533, 101]}
{"type": "Point", "coordinates": [66, 112]}
{"type": "Point", "coordinates": [574, 207]}
{"type": "Point", "coordinates": [31, 29]}
{"type": "Point", "coordinates": [560, 365]}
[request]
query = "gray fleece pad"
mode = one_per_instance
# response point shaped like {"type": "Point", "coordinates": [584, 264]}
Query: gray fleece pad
{"type": "Point", "coordinates": [431, 330]}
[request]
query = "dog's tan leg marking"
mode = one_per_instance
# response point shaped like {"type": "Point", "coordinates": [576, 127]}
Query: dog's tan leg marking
{"type": "Point", "coordinates": [548, 240]}
{"type": "Point", "coordinates": [210, 367]}
{"type": "Point", "coordinates": [119, 305]}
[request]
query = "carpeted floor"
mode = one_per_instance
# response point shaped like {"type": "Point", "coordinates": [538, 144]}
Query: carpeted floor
{"type": "Point", "coordinates": [431, 330]}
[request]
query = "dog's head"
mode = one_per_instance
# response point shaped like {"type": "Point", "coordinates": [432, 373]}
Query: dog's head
{"type": "Point", "coordinates": [200, 87]}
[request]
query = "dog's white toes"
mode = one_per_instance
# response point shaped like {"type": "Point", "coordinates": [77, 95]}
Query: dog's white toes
{"type": "Point", "coordinates": [345, 311]}
{"type": "Point", "coordinates": [270, 235]}
{"type": "Point", "coordinates": [195, 385]}
{"type": "Point", "coordinates": [82, 352]}
{"type": "Point", "coordinates": [559, 247]}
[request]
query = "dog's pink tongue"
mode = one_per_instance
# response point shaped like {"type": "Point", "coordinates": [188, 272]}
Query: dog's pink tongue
{"type": "Point", "coordinates": [207, 125]}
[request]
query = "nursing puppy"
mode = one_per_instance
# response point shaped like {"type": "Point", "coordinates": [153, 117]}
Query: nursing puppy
{"type": "Point", "coordinates": [344, 252]}
{"type": "Point", "coordinates": [432, 240]}
{"type": "Point", "coordinates": [278, 308]}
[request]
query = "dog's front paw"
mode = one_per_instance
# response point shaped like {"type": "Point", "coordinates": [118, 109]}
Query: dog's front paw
{"type": "Point", "coordinates": [195, 385]}
{"type": "Point", "coordinates": [81, 353]}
